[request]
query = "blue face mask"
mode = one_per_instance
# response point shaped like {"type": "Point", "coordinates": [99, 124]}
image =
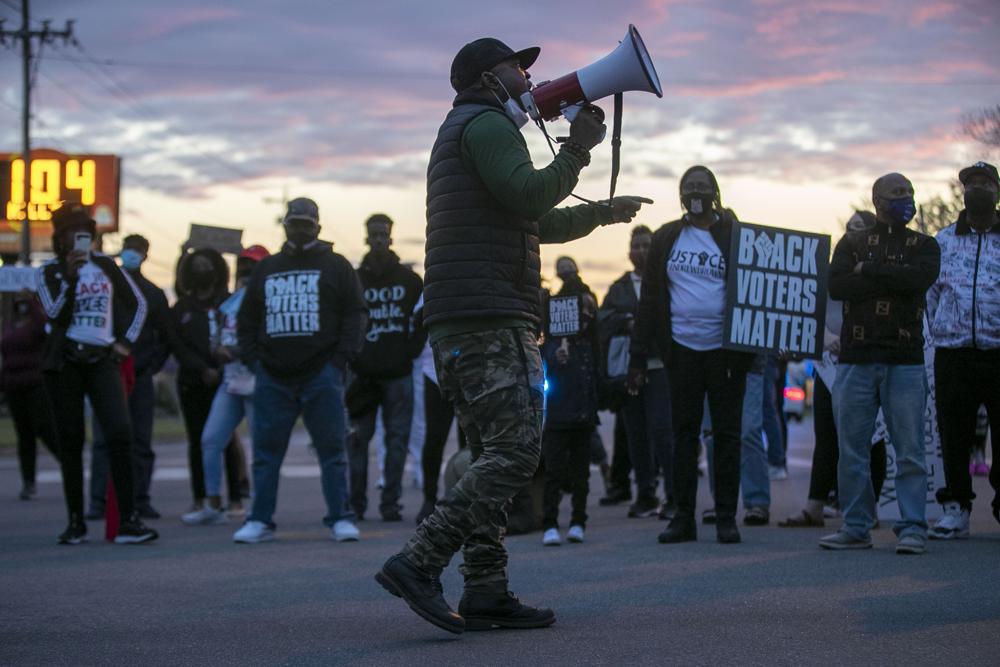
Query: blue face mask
{"type": "Point", "coordinates": [131, 259]}
{"type": "Point", "coordinates": [902, 209]}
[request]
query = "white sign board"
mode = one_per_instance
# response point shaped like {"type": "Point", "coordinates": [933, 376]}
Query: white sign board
{"type": "Point", "coordinates": [17, 278]}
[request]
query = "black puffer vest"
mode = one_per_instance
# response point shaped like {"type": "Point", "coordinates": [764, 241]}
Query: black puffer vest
{"type": "Point", "coordinates": [482, 260]}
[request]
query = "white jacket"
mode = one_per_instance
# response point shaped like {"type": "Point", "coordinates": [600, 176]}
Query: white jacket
{"type": "Point", "coordinates": [963, 306]}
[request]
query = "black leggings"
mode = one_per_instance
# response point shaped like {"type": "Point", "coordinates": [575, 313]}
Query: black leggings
{"type": "Point", "coordinates": [196, 403]}
{"type": "Point", "coordinates": [826, 453]}
{"type": "Point", "coordinates": [101, 382]}
{"type": "Point", "coordinates": [567, 469]}
{"type": "Point", "coordinates": [438, 415]}
{"type": "Point", "coordinates": [32, 414]}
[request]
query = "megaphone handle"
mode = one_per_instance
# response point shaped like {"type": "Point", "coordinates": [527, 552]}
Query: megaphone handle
{"type": "Point", "coordinates": [616, 142]}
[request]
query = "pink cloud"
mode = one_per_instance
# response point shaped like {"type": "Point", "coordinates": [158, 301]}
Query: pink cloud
{"type": "Point", "coordinates": [762, 85]}
{"type": "Point", "coordinates": [166, 22]}
{"type": "Point", "coordinates": [932, 11]}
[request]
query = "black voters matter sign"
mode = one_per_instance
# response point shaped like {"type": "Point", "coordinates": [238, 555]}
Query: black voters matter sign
{"type": "Point", "coordinates": [564, 316]}
{"type": "Point", "coordinates": [776, 290]}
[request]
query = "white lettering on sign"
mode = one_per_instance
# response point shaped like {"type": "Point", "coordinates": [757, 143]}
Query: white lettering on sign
{"type": "Point", "coordinates": [385, 314]}
{"type": "Point", "coordinates": [291, 300]}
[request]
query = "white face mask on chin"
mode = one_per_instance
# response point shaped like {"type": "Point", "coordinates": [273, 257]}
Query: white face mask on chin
{"type": "Point", "coordinates": [512, 108]}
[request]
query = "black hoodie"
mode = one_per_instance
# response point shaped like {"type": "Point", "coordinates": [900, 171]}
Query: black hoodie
{"type": "Point", "coordinates": [391, 291]}
{"type": "Point", "coordinates": [303, 309]}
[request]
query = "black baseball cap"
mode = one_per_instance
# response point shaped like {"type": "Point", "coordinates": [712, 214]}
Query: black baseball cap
{"type": "Point", "coordinates": [484, 54]}
{"type": "Point", "coordinates": [302, 208]}
{"type": "Point", "coordinates": [979, 168]}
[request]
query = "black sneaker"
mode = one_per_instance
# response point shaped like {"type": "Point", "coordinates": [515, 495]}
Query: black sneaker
{"type": "Point", "coordinates": [425, 511]}
{"type": "Point", "coordinates": [76, 531]}
{"type": "Point", "coordinates": [643, 506]}
{"type": "Point", "coordinates": [133, 531]}
{"type": "Point", "coordinates": [615, 496]}
{"type": "Point", "coordinates": [422, 592]}
{"type": "Point", "coordinates": [727, 533]}
{"type": "Point", "coordinates": [392, 514]}
{"type": "Point", "coordinates": [679, 530]}
{"type": "Point", "coordinates": [757, 516]}
{"type": "Point", "coordinates": [491, 611]}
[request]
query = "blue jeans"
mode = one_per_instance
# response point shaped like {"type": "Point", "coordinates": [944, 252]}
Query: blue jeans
{"type": "Point", "coordinates": [754, 477]}
{"type": "Point", "coordinates": [225, 415]}
{"type": "Point", "coordinates": [276, 406]}
{"type": "Point", "coordinates": [650, 435]}
{"type": "Point", "coordinates": [901, 392]}
{"type": "Point", "coordinates": [396, 400]}
{"type": "Point", "coordinates": [772, 399]}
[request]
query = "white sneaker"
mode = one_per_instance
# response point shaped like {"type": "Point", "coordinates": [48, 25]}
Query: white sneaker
{"type": "Point", "coordinates": [953, 525]}
{"type": "Point", "coordinates": [345, 531]}
{"type": "Point", "coordinates": [253, 532]}
{"type": "Point", "coordinates": [206, 516]}
{"type": "Point", "coordinates": [575, 534]}
{"type": "Point", "coordinates": [777, 473]}
{"type": "Point", "coordinates": [551, 538]}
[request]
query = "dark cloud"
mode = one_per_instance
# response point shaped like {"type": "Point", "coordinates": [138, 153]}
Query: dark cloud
{"type": "Point", "coordinates": [354, 92]}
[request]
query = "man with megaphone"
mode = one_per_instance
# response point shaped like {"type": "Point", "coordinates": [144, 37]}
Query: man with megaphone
{"type": "Point", "coordinates": [488, 209]}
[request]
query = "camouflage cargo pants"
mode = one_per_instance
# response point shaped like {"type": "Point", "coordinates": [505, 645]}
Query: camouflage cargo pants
{"type": "Point", "coordinates": [494, 379]}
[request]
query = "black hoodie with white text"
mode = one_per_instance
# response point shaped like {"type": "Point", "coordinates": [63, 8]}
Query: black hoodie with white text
{"type": "Point", "coordinates": [303, 309]}
{"type": "Point", "coordinates": [391, 291]}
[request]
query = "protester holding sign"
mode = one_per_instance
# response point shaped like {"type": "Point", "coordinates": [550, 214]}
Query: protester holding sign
{"type": "Point", "coordinates": [963, 308]}
{"type": "Point", "coordinates": [383, 369]}
{"type": "Point", "coordinates": [682, 310]}
{"type": "Point", "coordinates": [882, 275]}
{"type": "Point", "coordinates": [95, 314]}
{"type": "Point", "coordinates": [570, 358]}
{"type": "Point", "coordinates": [646, 416]}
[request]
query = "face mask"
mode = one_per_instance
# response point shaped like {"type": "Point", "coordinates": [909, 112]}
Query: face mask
{"type": "Point", "coordinates": [202, 279]}
{"type": "Point", "coordinates": [512, 108]}
{"type": "Point", "coordinates": [980, 201]}
{"type": "Point", "coordinates": [22, 308]}
{"type": "Point", "coordinates": [902, 209]}
{"type": "Point", "coordinates": [131, 259]}
{"type": "Point", "coordinates": [300, 238]}
{"type": "Point", "coordinates": [696, 202]}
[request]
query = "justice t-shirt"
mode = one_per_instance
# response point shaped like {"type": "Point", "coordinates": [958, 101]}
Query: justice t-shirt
{"type": "Point", "coordinates": [92, 323]}
{"type": "Point", "coordinates": [696, 270]}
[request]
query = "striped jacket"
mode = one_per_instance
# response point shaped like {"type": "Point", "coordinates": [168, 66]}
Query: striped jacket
{"type": "Point", "coordinates": [963, 306]}
{"type": "Point", "coordinates": [57, 292]}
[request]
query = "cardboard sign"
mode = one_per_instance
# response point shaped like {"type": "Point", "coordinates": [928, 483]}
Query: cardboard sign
{"type": "Point", "coordinates": [777, 290]}
{"type": "Point", "coordinates": [564, 316]}
{"type": "Point", "coordinates": [222, 239]}
{"type": "Point", "coordinates": [17, 278]}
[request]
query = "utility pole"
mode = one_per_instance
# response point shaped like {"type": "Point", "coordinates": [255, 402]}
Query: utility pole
{"type": "Point", "coordinates": [283, 201]}
{"type": "Point", "coordinates": [44, 36]}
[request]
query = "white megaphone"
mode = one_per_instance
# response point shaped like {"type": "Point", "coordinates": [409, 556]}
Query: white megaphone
{"type": "Point", "coordinates": [628, 67]}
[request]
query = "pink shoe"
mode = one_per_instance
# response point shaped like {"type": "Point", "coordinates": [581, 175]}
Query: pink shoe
{"type": "Point", "coordinates": [981, 470]}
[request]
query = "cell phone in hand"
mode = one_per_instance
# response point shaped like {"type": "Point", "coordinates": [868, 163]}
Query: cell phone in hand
{"type": "Point", "coordinates": [82, 241]}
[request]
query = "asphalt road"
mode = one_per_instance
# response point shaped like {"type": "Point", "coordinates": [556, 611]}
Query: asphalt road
{"type": "Point", "coordinates": [194, 597]}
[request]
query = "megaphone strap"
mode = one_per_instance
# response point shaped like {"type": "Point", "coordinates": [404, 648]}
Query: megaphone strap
{"type": "Point", "coordinates": [616, 142]}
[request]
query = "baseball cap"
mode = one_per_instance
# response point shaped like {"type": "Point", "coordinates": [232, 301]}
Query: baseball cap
{"type": "Point", "coordinates": [484, 54]}
{"type": "Point", "coordinates": [255, 252]}
{"type": "Point", "coordinates": [302, 208]}
{"type": "Point", "coordinates": [979, 168]}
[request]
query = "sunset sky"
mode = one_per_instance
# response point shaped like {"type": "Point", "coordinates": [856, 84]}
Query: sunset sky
{"type": "Point", "coordinates": [218, 108]}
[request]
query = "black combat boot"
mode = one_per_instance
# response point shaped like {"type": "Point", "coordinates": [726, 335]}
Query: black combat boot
{"type": "Point", "coordinates": [421, 591]}
{"type": "Point", "coordinates": [490, 610]}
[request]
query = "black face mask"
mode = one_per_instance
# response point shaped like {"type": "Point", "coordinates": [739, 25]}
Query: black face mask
{"type": "Point", "coordinates": [697, 202]}
{"type": "Point", "coordinates": [300, 238]}
{"type": "Point", "coordinates": [979, 201]}
{"type": "Point", "coordinates": [202, 279]}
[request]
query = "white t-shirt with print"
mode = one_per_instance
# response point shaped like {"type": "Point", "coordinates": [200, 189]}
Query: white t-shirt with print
{"type": "Point", "coordinates": [697, 273]}
{"type": "Point", "coordinates": [92, 309]}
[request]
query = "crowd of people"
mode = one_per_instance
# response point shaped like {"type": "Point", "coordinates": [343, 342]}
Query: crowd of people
{"type": "Point", "coordinates": [306, 334]}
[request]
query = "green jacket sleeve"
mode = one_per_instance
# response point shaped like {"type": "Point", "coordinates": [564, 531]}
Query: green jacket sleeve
{"type": "Point", "coordinates": [494, 148]}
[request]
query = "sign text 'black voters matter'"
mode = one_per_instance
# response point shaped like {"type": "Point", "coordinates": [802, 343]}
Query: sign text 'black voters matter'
{"type": "Point", "coordinates": [776, 290]}
{"type": "Point", "coordinates": [564, 316]}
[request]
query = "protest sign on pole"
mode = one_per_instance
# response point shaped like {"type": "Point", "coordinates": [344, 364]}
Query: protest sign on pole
{"type": "Point", "coordinates": [777, 290]}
